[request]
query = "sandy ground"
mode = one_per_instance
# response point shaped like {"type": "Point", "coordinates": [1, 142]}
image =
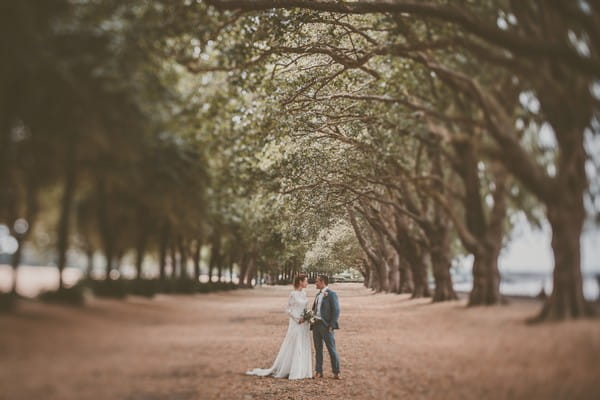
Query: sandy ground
{"type": "Point", "coordinates": [197, 347]}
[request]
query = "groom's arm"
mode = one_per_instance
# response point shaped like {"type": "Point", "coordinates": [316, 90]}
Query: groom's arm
{"type": "Point", "coordinates": [335, 305]}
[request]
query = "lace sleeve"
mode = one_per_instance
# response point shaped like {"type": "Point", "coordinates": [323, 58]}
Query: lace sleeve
{"type": "Point", "coordinates": [290, 307]}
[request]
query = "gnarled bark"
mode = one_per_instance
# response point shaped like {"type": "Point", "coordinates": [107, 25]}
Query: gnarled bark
{"type": "Point", "coordinates": [378, 277]}
{"type": "Point", "coordinates": [440, 263]}
{"type": "Point", "coordinates": [419, 273]}
{"type": "Point", "coordinates": [567, 300]}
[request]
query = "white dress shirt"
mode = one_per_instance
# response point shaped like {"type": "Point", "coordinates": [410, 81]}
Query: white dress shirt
{"type": "Point", "coordinates": [320, 301]}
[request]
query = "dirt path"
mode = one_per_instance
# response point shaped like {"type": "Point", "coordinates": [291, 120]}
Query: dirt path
{"type": "Point", "coordinates": [197, 347]}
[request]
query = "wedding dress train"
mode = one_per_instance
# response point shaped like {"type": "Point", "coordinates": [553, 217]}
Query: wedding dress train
{"type": "Point", "coordinates": [294, 360]}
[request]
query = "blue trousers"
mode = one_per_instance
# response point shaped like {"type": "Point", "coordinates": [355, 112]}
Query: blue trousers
{"type": "Point", "coordinates": [322, 334]}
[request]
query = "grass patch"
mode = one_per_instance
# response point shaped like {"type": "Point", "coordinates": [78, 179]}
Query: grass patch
{"type": "Point", "coordinates": [73, 296]}
{"type": "Point", "coordinates": [8, 302]}
{"type": "Point", "coordinates": [116, 289]}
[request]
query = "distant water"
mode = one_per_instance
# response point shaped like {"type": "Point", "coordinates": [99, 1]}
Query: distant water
{"type": "Point", "coordinates": [33, 280]}
{"type": "Point", "coordinates": [528, 284]}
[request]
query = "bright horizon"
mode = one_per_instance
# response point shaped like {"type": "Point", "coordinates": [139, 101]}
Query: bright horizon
{"type": "Point", "coordinates": [530, 250]}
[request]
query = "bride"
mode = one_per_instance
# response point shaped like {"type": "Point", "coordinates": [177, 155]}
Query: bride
{"type": "Point", "coordinates": [294, 360]}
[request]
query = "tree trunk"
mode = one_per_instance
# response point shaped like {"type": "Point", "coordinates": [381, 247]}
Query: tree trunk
{"type": "Point", "coordinates": [251, 271]}
{"type": "Point", "coordinates": [8, 105]}
{"type": "Point", "coordinates": [215, 253]}
{"type": "Point", "coordinates": [163, 245]}
{"type": "Point", "coordinates": [173, 251]}
{"type": "Point", "coordinates": [364, 271]}
{"type": "Point", "coordinates": [183, 258]}
{"type": "Point", "coordinates": [108, 255]}
{"type": "Point", "coordinates": [5, 150]}
{"type": "Point", "coordinates": [406, 279]}
{"type": "Point", "coordinates": [444, 289]}
{"type": "Point", "coordinates": [243, 269]}
{"type": "Point", "coordinates": [566, 300]}
{"type": "Point", "coordinates": [64, 223]}
{"type": "Point", "coordinates": [486, 232]}
{"type": "Point", "coordinates": [109, 250]}
{"type": "Point", "coordinates": [486, 286]}
{"type": "Point", "coordinates": [413, 258]}
{"type": "Point", "coordinates": [486, 278]}
{"type": "Point", "coordinates": [374, 283]}
{"type": "Point", "coordinates": [383, 274]}
{"type": "Point", "coordinates": [16, 261]}
{"type": "Point", "coordinates": [438, 233]}
{"type": "Point", "coordinates": [197, 253]}
{"type": "Point", "coordinates": [383, 265]}
{"type": "Point", "coordinates": [141, 251]}
{"type": "Point", "coordinates": [419, 273]}
{"type": "Point", "coordinates": [378, 277]}
{"type": "Point", "coordinates": [31, 211]}
{"type": "Point", "coordinates": [395, 280]}
{"type": "Point", "coordinates": [366, 281]}
{"type": "Point", "coordinates": [565, 207]}
{"type": "Point", "coordinates": [394, 275]}
{"type": "Point", "coordinates": [104, 224]}
{"type": "Point", "coordinates": [441, 264]}
{"type": "Point", "coordinates": [90, 262]}
{"type": "Point", "coordinates": [119, 259]}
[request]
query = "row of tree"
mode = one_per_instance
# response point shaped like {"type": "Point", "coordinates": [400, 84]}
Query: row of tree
{"type": "Point", "coordinates": [456, 118]}
{"type": "Point", "coordinates": [109, 147]}
{"type": "Point", "coordinates": [389, 137]}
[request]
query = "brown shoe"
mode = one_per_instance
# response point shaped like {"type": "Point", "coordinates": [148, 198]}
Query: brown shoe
{"type": "Point", "coordinates": [318, 374]}
{"type": "Point", "coordinates": [337, 376]}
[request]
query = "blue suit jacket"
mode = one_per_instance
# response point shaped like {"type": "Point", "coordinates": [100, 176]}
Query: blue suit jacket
{"type": "Point", "coordinates": [330, 309]}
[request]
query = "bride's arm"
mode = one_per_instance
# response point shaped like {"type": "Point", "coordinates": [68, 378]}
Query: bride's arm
{"type": "Point", "coordinates": [290, 308]}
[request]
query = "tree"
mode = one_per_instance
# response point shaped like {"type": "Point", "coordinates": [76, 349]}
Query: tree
{"type": "Point", "coordinates": [555, 68]}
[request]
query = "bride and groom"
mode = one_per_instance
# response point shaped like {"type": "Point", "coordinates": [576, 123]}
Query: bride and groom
{"type": "Point", "coordinates": [294, 359]}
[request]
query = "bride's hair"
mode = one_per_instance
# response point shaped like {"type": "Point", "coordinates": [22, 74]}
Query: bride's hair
{"type": "Point", "coordinates": [298, 279]}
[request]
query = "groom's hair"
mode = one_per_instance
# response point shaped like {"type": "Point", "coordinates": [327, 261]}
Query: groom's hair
{"type": "Point", "coordinates": [325, 279]}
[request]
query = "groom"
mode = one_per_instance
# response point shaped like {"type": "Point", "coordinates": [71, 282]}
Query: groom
{"type": "Point", "coordinates": [327, 311]}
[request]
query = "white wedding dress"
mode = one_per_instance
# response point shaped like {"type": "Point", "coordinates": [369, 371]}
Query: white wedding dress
{"type": "Point", "coordinates": [294, 360]}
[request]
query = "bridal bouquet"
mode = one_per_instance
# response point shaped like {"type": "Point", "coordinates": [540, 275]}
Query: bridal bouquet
{"type": "Point", "coordinates": [309, 315]}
